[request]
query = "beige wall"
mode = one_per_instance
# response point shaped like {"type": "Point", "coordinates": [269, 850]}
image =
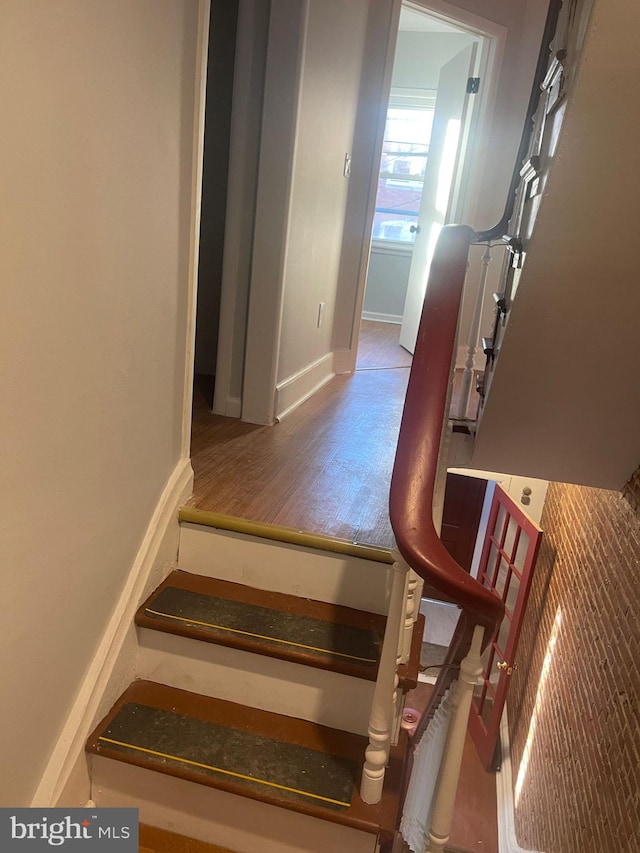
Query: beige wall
{"type": "Point", "coordinates": [96, 139]}
{"type": "Point", "coordinates": [328, 105]}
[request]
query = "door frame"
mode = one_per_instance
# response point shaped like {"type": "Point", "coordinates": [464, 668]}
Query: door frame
{"type": "Point", "coordinates": [248, 354]}
{"type": "Point", "coordinates": [493, 37]}
{"type": "Point", "coordinates": [485, 733]}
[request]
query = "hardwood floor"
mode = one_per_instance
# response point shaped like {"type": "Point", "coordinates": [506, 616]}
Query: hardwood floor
{"type": "Point", "coordinates": [378, 347]}
{"type": "Point", "coordinates": [326, 468]}
{"type": "Point", "coordinates": [475, 828]}
{"type": "Point", "coordinates": [154, 840]}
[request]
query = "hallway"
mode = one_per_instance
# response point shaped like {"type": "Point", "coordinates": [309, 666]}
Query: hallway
{"type": "Point", "coordinates": [327, 466]}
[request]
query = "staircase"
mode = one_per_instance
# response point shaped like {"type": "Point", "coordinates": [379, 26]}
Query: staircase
{"type": "Point", "coordinates": [248, 722]}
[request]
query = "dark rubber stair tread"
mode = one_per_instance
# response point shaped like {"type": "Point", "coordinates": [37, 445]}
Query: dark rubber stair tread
{"type": "Point", "coordinates": [284, 626]}
{"type": "Point", "coordinates": [281, 760]}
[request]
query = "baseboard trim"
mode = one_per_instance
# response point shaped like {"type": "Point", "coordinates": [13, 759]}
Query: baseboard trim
{"type": "Point", "coordinates": [377, 317]}
{"type": "Point", "coordinates": [65, 781]}
{"type": "Point", "coordinates": [301, 385]}
{"type": "Point", "coordinates": [507, 841]}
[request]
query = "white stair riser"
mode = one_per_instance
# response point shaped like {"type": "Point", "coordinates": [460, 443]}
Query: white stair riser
{"type": "Point", "coordinates": [279, 567]}
{"type": "Point", "coordinates": [329, 698]}
{"type": "Point", "coordinates": [238, 823]}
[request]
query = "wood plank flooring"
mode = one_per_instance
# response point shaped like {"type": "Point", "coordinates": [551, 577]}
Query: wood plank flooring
{"type": "Point", "coordinates": [154, 840]}
{"type": "Point", "coordinates": [326, 468]}
{"type": "Point", "coordinates": [475, 827]}
{"type": "Point", "coordinates": [378, 347]}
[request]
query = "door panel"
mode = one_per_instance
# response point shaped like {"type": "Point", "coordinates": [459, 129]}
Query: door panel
{"type": "Point", "coordinates": [506, 568]}
{"type": "Point", "coordinates": [463, 501]}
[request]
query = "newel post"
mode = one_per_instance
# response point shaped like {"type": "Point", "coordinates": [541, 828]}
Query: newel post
{"type": "Point", "coordinates": [382, 716]}
{"type": "Point", "coordinates": [447, 784]}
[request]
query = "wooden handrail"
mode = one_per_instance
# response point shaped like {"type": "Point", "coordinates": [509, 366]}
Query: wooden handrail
{"type": "Point", "coordinates": [416, 464]}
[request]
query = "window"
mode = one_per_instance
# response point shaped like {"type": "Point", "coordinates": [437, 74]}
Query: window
{"type": "Point", "coordinates": [402, 166]}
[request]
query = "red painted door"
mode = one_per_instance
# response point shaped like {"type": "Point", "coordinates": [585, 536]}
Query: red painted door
{"type": "Point", "coordinates": [506, 568]}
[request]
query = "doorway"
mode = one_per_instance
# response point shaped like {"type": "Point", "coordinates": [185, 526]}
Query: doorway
{"type": "Point", "coordinates": [432, 115]}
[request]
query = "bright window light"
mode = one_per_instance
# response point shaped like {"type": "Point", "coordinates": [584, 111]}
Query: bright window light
{"type": "Point", "coordinates": [447, 165]}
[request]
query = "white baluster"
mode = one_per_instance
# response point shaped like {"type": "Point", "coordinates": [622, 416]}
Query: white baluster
{"type": "Point", "coordinates": [383, 708]}
{"type": "Point", "coordinates": [474, 332]}
{"type": "Point", "coordinates": [447, 785]}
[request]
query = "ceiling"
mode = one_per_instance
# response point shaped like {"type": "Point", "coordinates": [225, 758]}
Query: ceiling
{"type": "Point", "coordinates": [412, 20]}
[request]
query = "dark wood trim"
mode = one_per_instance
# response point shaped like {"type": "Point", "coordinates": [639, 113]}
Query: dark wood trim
{"type": "Point", "coordinates": [416, 464]}
{"type": "Point", "coordinates": [156, 840]}
{"type": "Point", "coordinates": [361, 816]}
{"type": "Point", "coordinates": [331, 613]}
{"type": "Point", "coordinates": [408, 672]}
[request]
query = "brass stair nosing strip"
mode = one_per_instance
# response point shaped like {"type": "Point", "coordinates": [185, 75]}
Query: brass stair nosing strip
{"type": "Point", "coordinates": [287, 535]}
{"type": "Point", "coordinates": [222, 771]}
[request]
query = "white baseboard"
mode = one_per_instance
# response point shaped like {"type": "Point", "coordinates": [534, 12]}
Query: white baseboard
{"type": "Point", "coordinates": [377, 317]}
{"type": "Point", "coordinates": [65, 781]}
{"type": "Point", "coordinates": [507, 841]}
{"type": "Point", "coordinates": [301, 385]}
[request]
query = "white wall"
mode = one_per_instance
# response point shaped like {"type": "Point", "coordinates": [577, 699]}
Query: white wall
{"type": "Point", "coordinates": [328, 105]}
{"type": "Point", "coordinates": [387, 279]}
{"type": "Point", "coordinates": [420, 56]}
{"type": "Point", "coordinates": [97, 146]}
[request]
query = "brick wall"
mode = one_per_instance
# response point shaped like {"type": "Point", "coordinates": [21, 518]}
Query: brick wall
{"type": "Point", "coordinates": [581, 790]}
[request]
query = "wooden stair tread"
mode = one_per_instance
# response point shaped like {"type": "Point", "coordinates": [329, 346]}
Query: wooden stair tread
{"type": "Point", "coordinates": [155, 840]}
{"type": "Point", "coordinates": [314, 633]}
{"type": "Point", "coordinates": [280, 760]}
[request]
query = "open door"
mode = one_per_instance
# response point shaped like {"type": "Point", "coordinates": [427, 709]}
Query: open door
{"type": "Point", "coordinates": [508, 559]}
{"type": "Point", "coordinates": [444, 165]}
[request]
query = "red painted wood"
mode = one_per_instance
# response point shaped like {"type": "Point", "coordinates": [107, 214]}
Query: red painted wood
{"type": "Point", "coordinates": [463, 500]}
{"type": "Point", "coordinates": [416, 463]}
{"type": "Point", "coordinates": [507, 563]}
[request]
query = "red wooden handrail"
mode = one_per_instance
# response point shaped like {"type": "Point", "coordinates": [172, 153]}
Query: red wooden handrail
{"type": "Point", "coordinates": [416, 463]}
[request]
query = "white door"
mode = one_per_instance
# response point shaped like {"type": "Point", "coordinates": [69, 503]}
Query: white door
{"type": "Point", "coordinates": [442, 174]}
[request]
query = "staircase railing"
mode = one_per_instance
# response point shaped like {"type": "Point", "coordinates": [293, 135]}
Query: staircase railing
{"type": "Point", "coordinates": [417, 487]}
{"type": "Point", "coordinates": [415, 502]}
{"type": "Point", "coordinates": [419, 476]}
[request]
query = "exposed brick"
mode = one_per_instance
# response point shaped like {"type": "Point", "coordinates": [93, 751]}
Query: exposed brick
{"type": "Point", "coordinates": [581, 792]}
